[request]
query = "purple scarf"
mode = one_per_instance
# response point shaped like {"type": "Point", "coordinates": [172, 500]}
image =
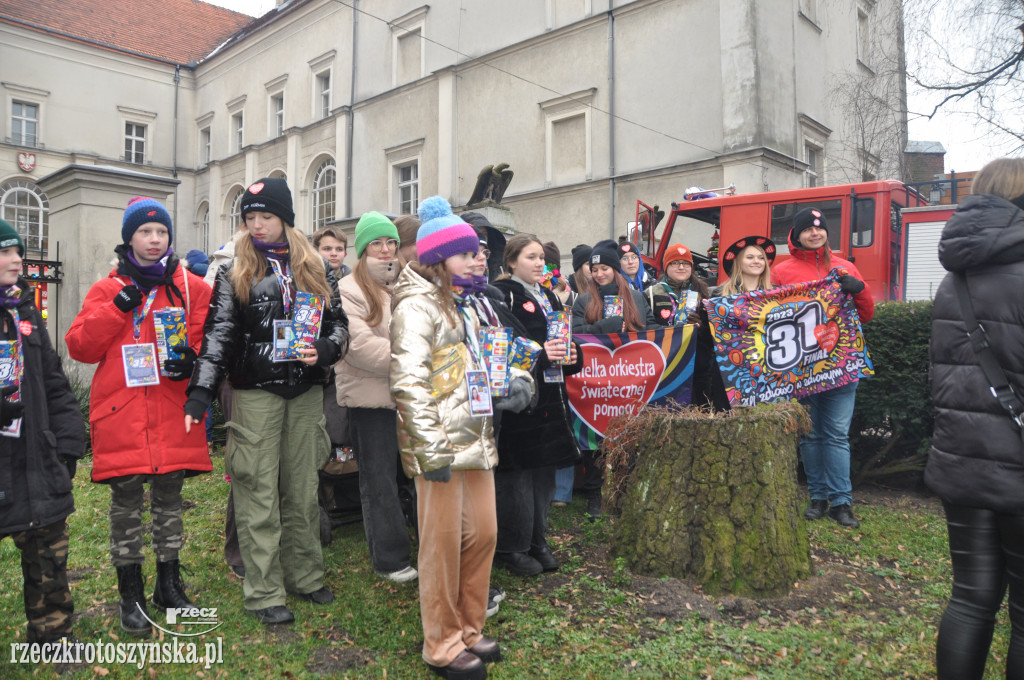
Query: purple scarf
{"type": "Point", "coordinates": [273, 251]}
{"type": "Point", "coordinates": [155, 271]}
{"type": "Point", "coordinates": [10, 296]}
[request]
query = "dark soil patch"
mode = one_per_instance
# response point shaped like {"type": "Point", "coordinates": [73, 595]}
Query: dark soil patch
{"type": "Point", "coordinates": [835, 581]}
{"type": "Point", "coordinates": [334, 661]}
{"type": "Point", "coordinates": [80, 573]}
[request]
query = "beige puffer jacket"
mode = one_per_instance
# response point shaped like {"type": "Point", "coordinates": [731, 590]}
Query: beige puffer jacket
{"type": "Point", "coordinates": [433, 431]}
{"type": "Point", "coordinates": [362, 376]}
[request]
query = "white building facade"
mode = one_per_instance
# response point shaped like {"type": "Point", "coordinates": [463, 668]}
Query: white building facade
{"type": "Point", "coordinates": [372, 106]}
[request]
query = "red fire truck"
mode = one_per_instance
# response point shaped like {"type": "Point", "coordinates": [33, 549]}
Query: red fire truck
{"type": "Point", "coordinates": [865, 220]}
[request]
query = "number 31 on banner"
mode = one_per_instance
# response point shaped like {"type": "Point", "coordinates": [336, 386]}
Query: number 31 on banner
{"type": "Point", "coordinates": [788, 340]}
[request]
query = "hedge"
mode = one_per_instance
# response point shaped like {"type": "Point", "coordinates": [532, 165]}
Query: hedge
{"type": "Point", "coordinates": [893, 418]}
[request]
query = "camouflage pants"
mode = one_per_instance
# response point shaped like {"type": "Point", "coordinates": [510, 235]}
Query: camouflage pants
{"type": "Point", "coordinates": [44, 568]}
{"type": "Point", "coordinates": [126, 499]}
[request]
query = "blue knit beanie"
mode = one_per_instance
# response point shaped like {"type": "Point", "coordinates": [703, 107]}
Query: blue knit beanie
{"type": "Point", "coordinates": [442, 234]}
{"type": "Point", "coordinates": [140, 210]}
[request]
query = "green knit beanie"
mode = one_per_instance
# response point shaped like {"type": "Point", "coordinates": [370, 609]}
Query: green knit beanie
{"type": "Point", "coordinates": [9, 237]}
{"type": "Point", "coordinates": [373, 225]}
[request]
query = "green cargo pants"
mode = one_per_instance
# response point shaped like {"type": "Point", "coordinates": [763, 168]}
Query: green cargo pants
{"type": "Point", "coordinates": [275, 447]}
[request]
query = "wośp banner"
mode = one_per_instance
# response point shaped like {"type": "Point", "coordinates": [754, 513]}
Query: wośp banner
{"type": "Point", "coordinates": [787, 342]}
{"type": "Point", "coordinates": [624, 372]}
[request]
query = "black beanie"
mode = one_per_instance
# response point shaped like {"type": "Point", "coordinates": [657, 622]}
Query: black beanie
{"type": "Point", "coordinates": [580, 256]}
{"type": "Point", "coordinates": [606, 252]}
{"type": "Point", "coordinates": [808, 217]}
{"type": "Point", "coordinates": [270, 194]}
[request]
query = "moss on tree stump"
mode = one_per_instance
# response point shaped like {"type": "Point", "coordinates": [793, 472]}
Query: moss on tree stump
{"type": "Point", "coordinates": [712, 496]}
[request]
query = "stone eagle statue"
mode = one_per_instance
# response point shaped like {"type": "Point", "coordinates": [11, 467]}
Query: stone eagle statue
{"type": "Point", "coordinates": [491, 184]}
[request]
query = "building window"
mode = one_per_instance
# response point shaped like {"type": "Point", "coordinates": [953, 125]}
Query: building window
{"type": "Point", "coordinates": [408, 177]}
{"type": "Point", "coordinates": [863, 36]}
{"type": "Point", "coordinates": [205, 149]}
{"type": "Point", "coordinates": [24, 123]}
{"type": "Point", "coordinates": [407, 46]}
{"type": "Point", "coordinates": [567, 144]}
{"type": "Point", "coordinates": [237, 129]}
{"type": "Point", "coordinates": [235, 217]}
{"type": "Point", "coordinates": [812, 154]}
{"type": "Point", "coordinates": [134, 143]}
{"type": "Point", "coordinates": [26, 208]}
{"type": "Point", "coordinates": [203, 225]}
{"type": "Point", "coordinates": [323, 90]}
{"type": "Point", "coordinates": [324, 190]}
{"type": "Point", "coordinates": [277, 114]}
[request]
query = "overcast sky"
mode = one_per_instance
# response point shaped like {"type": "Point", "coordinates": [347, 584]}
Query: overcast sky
{"type": "Point", "coordinates": [958, 134]}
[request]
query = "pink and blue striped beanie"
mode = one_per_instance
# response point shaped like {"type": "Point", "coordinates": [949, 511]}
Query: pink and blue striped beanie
{"type": "Point", "coordinates": [442, 234]}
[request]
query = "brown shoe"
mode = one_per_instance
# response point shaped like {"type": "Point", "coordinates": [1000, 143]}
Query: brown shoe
{"type": "Point", "coordinates": [487, 650]}
{"type": "Point", "coordinates": [466, 666]}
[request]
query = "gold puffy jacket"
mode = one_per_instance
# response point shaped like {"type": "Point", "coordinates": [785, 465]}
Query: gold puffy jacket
{"type": "Point", "coordinates": [434, 430]}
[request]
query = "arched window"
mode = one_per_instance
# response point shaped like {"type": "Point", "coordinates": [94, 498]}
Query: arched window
{"type": "Point", "coordinates": [27, 210]}
{"type": "Point", "coordinates": [235, 218]}
{"type": "Point", "coordinates": [203, 225]}
{"type": "Point", "coordinates": [324, 186]}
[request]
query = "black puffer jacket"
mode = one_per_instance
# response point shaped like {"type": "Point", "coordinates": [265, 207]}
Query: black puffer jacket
{"type": "Point", "coordinates": [539, 436]}
{"type": "Point", "coordinates": [239, 341]}
{"type": "Point", "coordinates": [35, 488]}
{"type": "Point", "coordinates": [977, 458]}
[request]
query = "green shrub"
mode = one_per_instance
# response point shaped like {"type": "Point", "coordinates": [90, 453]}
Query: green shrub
{"type": "Point", "coordinates": [892, 422]}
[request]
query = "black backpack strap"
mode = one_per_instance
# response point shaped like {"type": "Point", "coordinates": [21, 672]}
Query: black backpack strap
{"type": "Point", "coordinates": [999, 385]}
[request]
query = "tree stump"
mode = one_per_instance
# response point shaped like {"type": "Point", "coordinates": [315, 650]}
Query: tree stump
{"type": "Point", "coordinates": [714, 497]}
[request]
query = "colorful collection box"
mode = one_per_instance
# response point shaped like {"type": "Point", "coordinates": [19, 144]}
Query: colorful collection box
{"type": "Point", "coordinates": [560, 328]}
{"type": "Point", "coordinates": [302, 330]}
{"type": "Point", "coordinates": [495, 342]}
{"type": "Point", "coordinates": [171, 330]}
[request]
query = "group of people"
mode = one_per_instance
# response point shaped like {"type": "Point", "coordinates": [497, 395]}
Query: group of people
{"type": "Point", "coordinates": [399, 335]}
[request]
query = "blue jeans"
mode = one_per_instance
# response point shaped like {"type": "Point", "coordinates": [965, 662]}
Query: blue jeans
{"type": "Point", "coordinates": [826, 449]}
{"type": "Point", "coordinates": [564, 480]}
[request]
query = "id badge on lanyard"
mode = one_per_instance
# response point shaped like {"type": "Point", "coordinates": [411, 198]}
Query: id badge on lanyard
{"type": "Point", "coordinates": [477, 383]}
{"type": "Point", "coordinates": [141, 366]}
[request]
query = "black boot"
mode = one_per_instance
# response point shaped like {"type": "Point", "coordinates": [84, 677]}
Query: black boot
{"type": "Point", "coordinates": [134, 615]}
{"type": "Point", "coordinates": [169, 591]}
{"type": "Point", "coordinates": [593, 505]}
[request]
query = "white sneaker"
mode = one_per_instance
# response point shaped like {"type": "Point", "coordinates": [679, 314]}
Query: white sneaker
{"type": "Point", "coordinates": [401, 576]}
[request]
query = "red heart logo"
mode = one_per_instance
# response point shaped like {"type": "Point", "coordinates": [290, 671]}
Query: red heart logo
{"type": "Point", "coordinates": [665, 313]}
{"type": "Point", "coordinates": [529, 306]}
{"type": "Point", "coordinates": [827, 335]}
{"type": "Point", "coordinates": [25, 327]}
{"type": "Point", "coordinates": [256, 188]}
{"type": "Point", "coordinates": [614, 383]}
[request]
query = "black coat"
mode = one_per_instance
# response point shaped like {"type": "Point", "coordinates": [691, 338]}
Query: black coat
{"type": "Point", "coordinates": [977, 458]}
{"type": "Point", "coordinates": [539, 436]}
{"type": "Point", "coordinates": [239, 340]}
{"type": "Point", "coordinates": [35, 488]}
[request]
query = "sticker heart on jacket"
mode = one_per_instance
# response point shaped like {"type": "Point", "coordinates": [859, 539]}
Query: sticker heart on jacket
{"type": "Point", "coordinates": [665, 313]}
{"type": "Point", "coordinates": [614, 383]}
{"type": "Point", "coordinates": [827, 335]}
{"type": "Point", "coordinates": [530, 307]}
{"type": "Point", "coordinates": [25, 327]}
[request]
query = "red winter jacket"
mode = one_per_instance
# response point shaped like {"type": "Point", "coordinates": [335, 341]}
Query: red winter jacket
{"type": "Point", "coordinates": [806, 265]}
{"type": "Point", "coordinates": [137, 430]}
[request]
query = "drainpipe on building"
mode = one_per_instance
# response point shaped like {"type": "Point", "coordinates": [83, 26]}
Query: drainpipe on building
{"type": "Point", "coordinates": [174, 138]}
{"type": "Point", "coordinates": [611, 122]}
{"type": "Point", "coordinates": [351, 113]}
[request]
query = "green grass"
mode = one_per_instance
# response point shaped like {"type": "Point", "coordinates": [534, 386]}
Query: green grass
{"type": "Point", "coordinates": [871, 611]}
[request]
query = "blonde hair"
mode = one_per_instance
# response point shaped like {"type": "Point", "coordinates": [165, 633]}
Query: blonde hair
{"type": "Point", "coordinates": [376, 295]}
{"type": "Point", "coordinates": [1003, 177]}
{"type": "Point", "coordinates": [735, 283]}
{"type": "Point", "coordinates": [439, 275]}
{"type": "Point", "coordinates": [306, 264]}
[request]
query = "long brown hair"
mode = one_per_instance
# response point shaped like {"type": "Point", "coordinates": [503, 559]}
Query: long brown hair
{"type": "Point", "coordinates": [376, 295]}
{"type": "Point", "coordinates": [735, 283]}
{"type": "Point", "coordinates": [306, 264]}
{"type": "Point", "coordinates": [630, 313]}
{"type": "Point", "coordinates": [438, 274]}
{"type": "Point", "coordinates": [516, 245]}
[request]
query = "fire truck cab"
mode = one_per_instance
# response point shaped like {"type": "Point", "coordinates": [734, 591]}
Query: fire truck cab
{"type": "Point", "coordinates": [865, 226]}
